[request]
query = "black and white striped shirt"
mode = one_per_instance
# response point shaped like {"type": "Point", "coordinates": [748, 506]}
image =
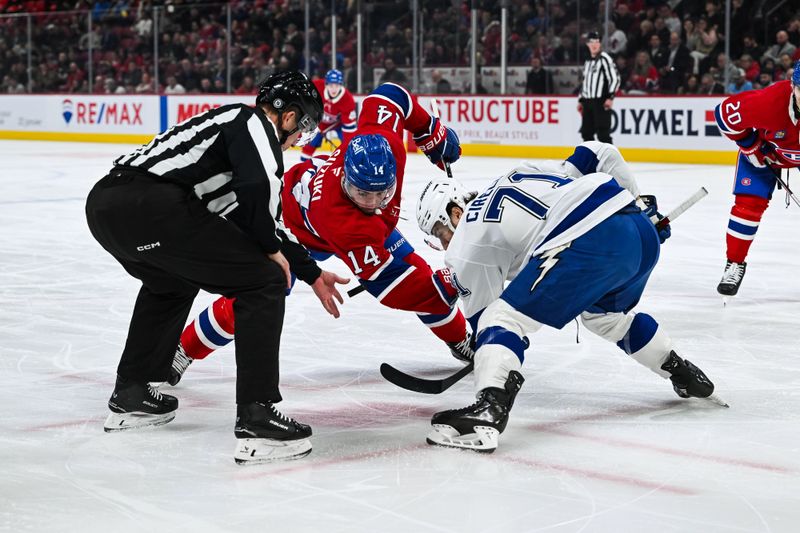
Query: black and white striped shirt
{"type": "Point", "coordinates": [231, 158]}
{"type": "Point", "coordinates": [600, 77]}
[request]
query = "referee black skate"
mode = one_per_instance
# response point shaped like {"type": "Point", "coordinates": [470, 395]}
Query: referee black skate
{"type": "Point", "coordinates": [600, 83]}
{"type": "Point", "coordinates": [197, 208]}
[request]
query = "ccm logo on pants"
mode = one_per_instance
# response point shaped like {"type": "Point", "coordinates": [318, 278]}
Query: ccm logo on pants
{"type": "Point", "coordinates": [148, 246]}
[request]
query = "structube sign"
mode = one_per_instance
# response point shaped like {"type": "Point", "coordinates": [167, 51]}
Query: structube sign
{"type": "Point", "coordinates": [647, 123]}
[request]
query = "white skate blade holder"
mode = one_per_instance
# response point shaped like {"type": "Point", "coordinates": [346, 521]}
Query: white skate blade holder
{"type": "Point", "coordinates": [483, 440]}
{"type": "Point", "coordinates": [258, 451]}
{"type": "Point", "coordinates": [135, 420]}
{"type": "Point", "coordinates": [716, 400]}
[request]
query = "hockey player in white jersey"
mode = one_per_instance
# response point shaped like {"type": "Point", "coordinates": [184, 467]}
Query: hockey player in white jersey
{"type": "Point", "coordinates": [571, 241]}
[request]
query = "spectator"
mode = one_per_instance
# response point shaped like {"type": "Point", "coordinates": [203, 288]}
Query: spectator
{"type": "Point", "coordinates": [739, 83]}
{"type": "Point", "coordinates": [661, 29]}
{"type": "Point", "coordinates": [173, 87]}
{"type": "Point", "coordinates": [644, 75]}
{"type": "Point", "coordinates": [641, 39]}
{"type": "Point", "coordinates": [784, 67]}
{"type": "Point", "coordinates": [764, 80]}
{"type": "Point", "coordinates": [564, 53]}
{"type": "Point", "coordinates": [690, 86]}
{"type": "Point", "coordinates": [622, 17]}
{"type": "Point", "coordinates": [247, 86]}
{"type": "Point", "coordinates": [705, 45]}
{"type": "Point", "coordinates": [690, 34]}
{"type": "Point", "coordinates": [616, 42]}
{"type": "Point", "coordinates": [146, 85]}
{"type": "Point", "coordinates": [708, 85]}
{"type": "Point", "coordinates": [751, 47]}
{"type": "Point", "coordinates": [219, 86]}
{"type": "Point", "coordinates": [350, 74]}
{"type": "Point", "coordinates": [678, 64]}
{"type": "Point", "coordinates": [723, 70]}
{"type": "Point", "coordinates": [12, 86]}
{"type": "Point", "coordinates": [391, 73]}
{"type": "Point", "coordinates": [658, 55]}
{"type": "Point", "coordinates": [751, 68]}
{"type": "Point", "coordinates": [440, 84]}
{"type": "Point", "coordinates": [781, 46]}
{"type": "Point", "coordinates": [539, 81]}
{"type": "Point", "coordinates": [671, 19]}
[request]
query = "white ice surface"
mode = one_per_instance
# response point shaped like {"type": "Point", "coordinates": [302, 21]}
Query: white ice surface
{"type": "Point", "coordinates": [595, 443]}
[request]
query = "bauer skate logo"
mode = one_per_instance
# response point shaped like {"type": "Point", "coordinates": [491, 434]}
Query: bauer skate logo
{"type": "Point", "coordinates": [145, 247]}
{"type": "Point", "coordinates": [282, 426]}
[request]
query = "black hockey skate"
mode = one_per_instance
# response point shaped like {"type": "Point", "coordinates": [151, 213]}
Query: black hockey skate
{"type": "Point", "coordinates": [477, 426]}
{"type": "Point", "coordinates": [180, 362]}
{"type": "Point", "coordinates": [138, 405]}
{"type": "Point", "coordinates": [687, 380]}
{"type": "Point", "coordinates": [731, 278]}
{"type": "Point", "coordinates": [463, 350]}
{"type": "Point", "coordinates": [264, 434]}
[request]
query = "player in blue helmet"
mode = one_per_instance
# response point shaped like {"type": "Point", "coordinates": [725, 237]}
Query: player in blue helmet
{"type": "Point", "coordinates": [369, 173]}
{"type": "Point", "coordinates": [339, 119]}
{"type": "Point", "coordinates": [334, 76]}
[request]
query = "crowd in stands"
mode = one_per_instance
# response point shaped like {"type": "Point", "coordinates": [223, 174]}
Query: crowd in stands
{"type": "Point", "coordinates": [659, 46]}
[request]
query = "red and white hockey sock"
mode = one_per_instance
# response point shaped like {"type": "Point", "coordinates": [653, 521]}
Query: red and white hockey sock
{"type": "Point", "coordinates": [451, 327]}
{"type": "Point", "coordinates": [211, 330]}
{"type": "Point", "coordinates": [745, 217]}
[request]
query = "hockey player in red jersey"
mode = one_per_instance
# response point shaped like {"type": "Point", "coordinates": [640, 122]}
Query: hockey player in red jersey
{"type": "Point", "coordinates": [340, 112]}
{"type": "Point", "coordinates": [765, 124]}
{"type": "Point", "coordinates": [348, 205]}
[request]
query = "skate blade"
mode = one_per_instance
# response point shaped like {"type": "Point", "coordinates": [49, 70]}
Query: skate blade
{"type": "Point", "coordinates": [484, 439]}
{"type": "Point", "coordinates": [725, 300]}
{"type": "Point", "coordinates": [260, 451]}
{"type": "Point", "coordinates": [716, 400]}
{"type": "Point", "coordinates": [126, 421]}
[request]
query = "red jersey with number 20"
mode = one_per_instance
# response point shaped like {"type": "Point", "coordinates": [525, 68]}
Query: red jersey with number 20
{"type": "Point", "coordinates": [768, 112]}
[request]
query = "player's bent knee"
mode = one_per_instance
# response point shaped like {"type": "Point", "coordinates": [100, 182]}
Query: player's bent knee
{"type": "Point", "coordinates": [501, 313]}
{"type": "Point", "coordinates": [610, 326]}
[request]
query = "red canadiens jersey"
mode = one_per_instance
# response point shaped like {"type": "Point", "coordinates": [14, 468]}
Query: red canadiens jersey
{"type": "Point", "coordinates": [322, 217]}
{"type": "Point", "coordinates": [338, 111]}
{"type": "Point", "coordinates": [770, 113]}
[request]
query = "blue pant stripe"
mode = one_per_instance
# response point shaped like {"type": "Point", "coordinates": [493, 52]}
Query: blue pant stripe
{"type": "Point", "coordinates": [639, 334]}
{"type": "Point", "coordinates": [503, 337]}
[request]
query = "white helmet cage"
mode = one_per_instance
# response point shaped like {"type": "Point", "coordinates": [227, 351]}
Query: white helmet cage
{"type": "Point", "coordinates": [433, 202]}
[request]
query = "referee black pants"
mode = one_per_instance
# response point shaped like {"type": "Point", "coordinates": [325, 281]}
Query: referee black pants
{"type": "Point", "coordinates": [596, 121]}
{"type": "Point", "coordinates": [163, 235]}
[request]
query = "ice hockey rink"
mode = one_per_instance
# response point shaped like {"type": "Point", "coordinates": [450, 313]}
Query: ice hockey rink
{"type": "Point", "coordinates": [595, 443]}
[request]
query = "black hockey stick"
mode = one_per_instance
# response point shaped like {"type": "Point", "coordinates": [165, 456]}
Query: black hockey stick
{"type": "Point", "coordinates": [785, 184]}
{"type": "Point", "coordinates": [425, 386]}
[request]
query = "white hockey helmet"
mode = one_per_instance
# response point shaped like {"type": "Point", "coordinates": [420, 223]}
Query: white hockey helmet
{"type": "Point", "coordinates": [433, 202]}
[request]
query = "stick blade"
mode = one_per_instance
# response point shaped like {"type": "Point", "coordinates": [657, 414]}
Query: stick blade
{"type": "Point", "coordinates": [422, 385]}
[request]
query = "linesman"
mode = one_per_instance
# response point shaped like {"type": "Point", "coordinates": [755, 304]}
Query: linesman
{"type": "Point", "coordinates": [600, 83]}
{"type": "Point", "coordinates": [199, 208]}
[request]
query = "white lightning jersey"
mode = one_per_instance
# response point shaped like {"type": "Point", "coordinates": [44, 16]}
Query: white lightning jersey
{"type": "Point", "coordinates": [536, 207]}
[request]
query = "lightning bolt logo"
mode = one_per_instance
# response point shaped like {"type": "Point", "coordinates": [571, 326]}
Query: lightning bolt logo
{"type": "Point", "coordinates": [550, 258]}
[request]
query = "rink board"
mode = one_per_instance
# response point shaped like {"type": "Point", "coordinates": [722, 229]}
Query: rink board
{"type": "Point", "coordinates": [647, 129]}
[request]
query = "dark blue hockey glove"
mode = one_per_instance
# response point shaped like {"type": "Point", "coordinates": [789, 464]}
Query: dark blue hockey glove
{"type": "Point", "coordinates": [651, 210]}
{"type": "Point", "coordinates": [440, 144]}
